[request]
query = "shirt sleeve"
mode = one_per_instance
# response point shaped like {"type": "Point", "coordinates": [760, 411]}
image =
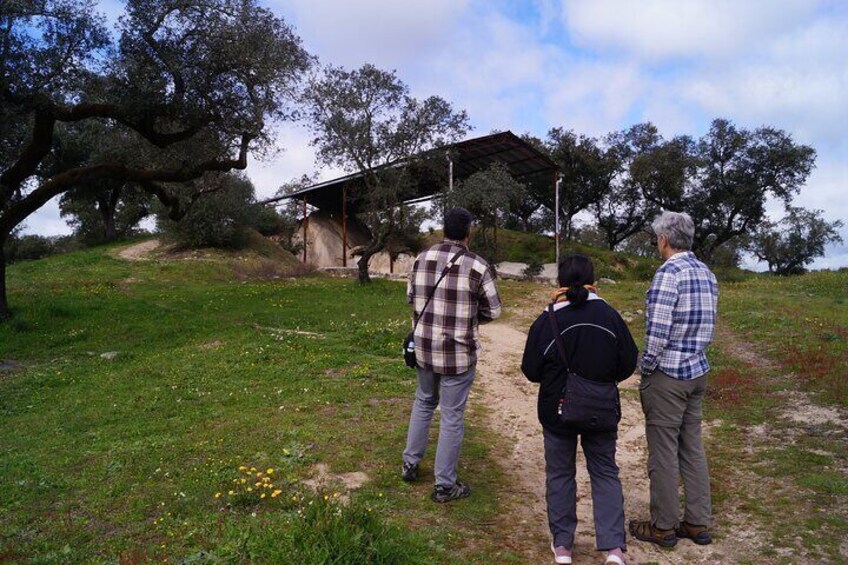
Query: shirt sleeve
{"type": "Point", "coordinates": [409, 283]}
{"type": "Point", "coordinates": [532, 360]}
{"type": "Point", "coordinates": [659, 313]}
{"type": "Point", "coordinates": [488, 300]}
{"type": "Point", "coordinates": [628, 353]}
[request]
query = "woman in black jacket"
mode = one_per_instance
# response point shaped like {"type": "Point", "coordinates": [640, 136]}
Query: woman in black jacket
{"type": "Point", "coordinates": [599, 347]}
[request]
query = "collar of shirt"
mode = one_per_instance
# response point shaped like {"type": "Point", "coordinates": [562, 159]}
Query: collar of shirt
{"type": "Point", "coordinates": [455, 242]}
{"type": "Point", "coordinates": [678, 255]}
{"type": "Point", "coordinates": [564, 303]}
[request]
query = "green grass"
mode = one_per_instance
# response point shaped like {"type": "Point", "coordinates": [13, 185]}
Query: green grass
{"type": "Point", "coordinates": [800, 322]}
{"type": "Point", "coordinates": [221, 366]}
{"type": "Point", "coordinates": [122, 460]}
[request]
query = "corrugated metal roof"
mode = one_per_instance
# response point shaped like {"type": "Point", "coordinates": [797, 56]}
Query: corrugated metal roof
{"type": "Point", "coordinates": [524, 162]}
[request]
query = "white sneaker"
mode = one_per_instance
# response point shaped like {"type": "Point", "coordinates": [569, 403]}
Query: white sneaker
{"type": "Point", "coordinates": [560, 557]}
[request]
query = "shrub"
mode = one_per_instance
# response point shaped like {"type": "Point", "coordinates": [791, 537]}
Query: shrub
{"type": "Point", "coordinates": [218, 219]}
{"type": "Point", "coordinates": [534, 267]}
{"type": "Point", "coordinates": [267, 221]}
{"type": "Point", "coordinates": [30, 247]}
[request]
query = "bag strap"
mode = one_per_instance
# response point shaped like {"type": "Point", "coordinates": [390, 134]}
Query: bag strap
{"type": "Point", "coordinates": [447, 268]}
{"type": "Point", "coordinates": [557, 337]}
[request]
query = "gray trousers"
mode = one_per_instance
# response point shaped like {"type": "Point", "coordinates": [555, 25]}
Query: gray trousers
{"type": "Point", "coordinates": [607, 498]}
{"type": "Point", "coordinates": [449, 393]}
{"type": "Point", "coordinates": [673, 428]}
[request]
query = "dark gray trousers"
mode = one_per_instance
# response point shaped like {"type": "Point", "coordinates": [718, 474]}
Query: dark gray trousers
{"type": "Point", "coordinates": [673, 429]}
{"type": "Point", "coordinates": [607, 498]}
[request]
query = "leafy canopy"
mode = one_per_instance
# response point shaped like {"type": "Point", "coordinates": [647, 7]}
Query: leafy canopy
{"type": "Point", "coordinates": [192, 82]}
{"type": "Point", "coordinates": [366, 121]}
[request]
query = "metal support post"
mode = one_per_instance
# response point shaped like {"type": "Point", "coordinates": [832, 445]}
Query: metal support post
{"type": "Point", "coordinates": [557, 184]}
{"type": "Point", "coordinates": [305, 227]}
{"type": "Point", "coordinates": [344, 226]}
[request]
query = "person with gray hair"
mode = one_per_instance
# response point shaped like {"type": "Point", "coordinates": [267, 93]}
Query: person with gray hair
{"type": "Point", "coordinates": [680, 322]}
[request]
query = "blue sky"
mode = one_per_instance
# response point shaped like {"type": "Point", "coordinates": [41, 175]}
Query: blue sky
{"type": "Point", "coordinates": [594, 66]}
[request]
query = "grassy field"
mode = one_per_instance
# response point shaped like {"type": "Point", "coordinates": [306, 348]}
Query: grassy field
{"type": "Point", "coordinates": [142, 456]}
{"type": "Point", "coordinates": [223, 382]}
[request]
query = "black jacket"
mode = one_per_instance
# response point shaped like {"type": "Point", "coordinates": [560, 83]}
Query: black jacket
{"type": "Point", "coordinates": [598, 346]}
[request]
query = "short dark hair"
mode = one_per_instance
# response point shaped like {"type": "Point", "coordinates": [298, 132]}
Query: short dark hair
{"type": "Point", "coordinates": [458, 223]}
{"type": "Point", "coordinates": [574, 272]}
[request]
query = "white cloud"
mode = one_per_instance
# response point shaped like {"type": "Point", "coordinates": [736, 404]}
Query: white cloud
{"type": "Point", "coordinates": [47, 221]}
{"type": "Point", "coordinates": [663, 29]}
{"type": "Point", "coordinates": [294, 159]}
{"type": "Point", "coordinates": [384, 32]}
{"type": "Point", "coordinates": [595, 98]}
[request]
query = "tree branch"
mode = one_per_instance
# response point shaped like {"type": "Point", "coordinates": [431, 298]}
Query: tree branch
{"type": "Point", "coordinates": [65, 180]}
{"type": "Point", "coordinates": [37, 149]}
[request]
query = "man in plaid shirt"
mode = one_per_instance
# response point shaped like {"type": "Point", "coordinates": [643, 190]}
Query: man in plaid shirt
{"type": "Point", "coordinates": [681, 314]}
{"type": "Point", "coordinates": [446, 347]}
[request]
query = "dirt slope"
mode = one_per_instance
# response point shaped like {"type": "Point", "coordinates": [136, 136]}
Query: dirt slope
{"type": "Point", "coordinates": [511, 407]}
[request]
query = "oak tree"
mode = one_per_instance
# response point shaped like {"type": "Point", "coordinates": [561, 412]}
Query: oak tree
{"type": "Point", "coordinates": [194, 82]}
{"type": "Point", "coordinates": [366, 121]}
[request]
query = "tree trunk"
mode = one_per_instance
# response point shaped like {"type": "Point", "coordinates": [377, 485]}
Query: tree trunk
{"type": "Point", "coordinates": [565, 226]}
{"type": "Point", "coordinates": [107, 206]}
{"type": "Point", "coordinates": [4, 304]}
{"type": "Point", "coordinates": [108, 216]}
{"type": "Point", "coordinates": [364, 277]}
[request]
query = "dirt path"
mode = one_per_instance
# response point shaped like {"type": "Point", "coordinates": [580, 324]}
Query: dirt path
{"type": "Point", "coordinates": [511, 404]}
{"type": "Point", "coordinates": [139, 251]}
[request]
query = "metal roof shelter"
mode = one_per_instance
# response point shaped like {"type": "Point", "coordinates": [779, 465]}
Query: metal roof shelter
{"type": "Point", "coordinates": [524, 162]}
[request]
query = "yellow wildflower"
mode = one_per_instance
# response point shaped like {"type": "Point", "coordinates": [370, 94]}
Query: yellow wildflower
{"type": "Point", "coordinates": [217, 495]}
{"type": "Point", "coordinates": [270, 471]}
{"type": "Point", "coordinates": [276, 493]}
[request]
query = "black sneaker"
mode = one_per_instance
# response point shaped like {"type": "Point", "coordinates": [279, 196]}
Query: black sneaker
{"type": "Point", "coordinates": [446, 494]}
{"type": "Point", "coordinates": [409, 472]}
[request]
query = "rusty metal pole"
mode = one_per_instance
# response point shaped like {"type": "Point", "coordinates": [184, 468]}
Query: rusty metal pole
{"type": "Point", "coordinates": [344, 226]}
{"type": "Point", "coordinates": [305, 227]}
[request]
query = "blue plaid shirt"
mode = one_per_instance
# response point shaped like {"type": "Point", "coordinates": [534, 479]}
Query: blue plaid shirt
{"type": "Point", "coordinates": [680, 316]}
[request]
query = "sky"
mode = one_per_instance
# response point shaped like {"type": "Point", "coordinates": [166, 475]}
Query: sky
{"type": "Point", "coordinates": [594, 66]}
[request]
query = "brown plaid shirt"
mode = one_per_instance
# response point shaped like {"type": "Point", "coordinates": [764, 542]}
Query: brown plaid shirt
{"type": "Point", "coordinates": [446, 338]}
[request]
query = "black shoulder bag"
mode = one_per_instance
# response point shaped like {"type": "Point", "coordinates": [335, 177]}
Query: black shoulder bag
{"type": "Point", "coordinates": [584, 404]}
{"type": "Point", "coordinates": [409, 342]}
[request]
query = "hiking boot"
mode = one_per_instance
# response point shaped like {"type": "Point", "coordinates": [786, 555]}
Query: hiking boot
{"type": "Point", "coordinates": [446, 494]}
{"type": "Point", "coordinates": [646, 531]}
{"type": "Point", "coordinates": [409, 472]}
{"type": "Point", "coordinates": [698, 534]}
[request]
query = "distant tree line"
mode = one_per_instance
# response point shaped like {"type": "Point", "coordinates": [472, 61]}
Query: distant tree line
{"type": "Point", "coordinates": [723, 180]}
{"type": "Point", "coordinates": [157, 115]}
